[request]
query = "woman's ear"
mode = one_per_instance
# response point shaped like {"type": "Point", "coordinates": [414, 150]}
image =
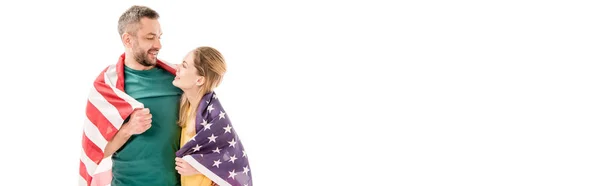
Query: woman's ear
{"type": "Point", "coordinates": [200, 81]}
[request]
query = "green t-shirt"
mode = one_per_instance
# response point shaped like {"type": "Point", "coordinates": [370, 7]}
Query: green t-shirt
{"type": "Point", "coordinates": [149, 158]}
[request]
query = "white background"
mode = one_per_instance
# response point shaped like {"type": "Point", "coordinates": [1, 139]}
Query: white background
{"type": "Point", "coordinates": [334, 92]}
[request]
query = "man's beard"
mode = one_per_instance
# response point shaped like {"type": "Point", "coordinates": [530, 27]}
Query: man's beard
{"type": "Point", "coordinates": [142, 58]}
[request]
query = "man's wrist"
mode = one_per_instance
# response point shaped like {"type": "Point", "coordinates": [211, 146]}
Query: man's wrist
{"type": "Point", "coordinates": [125, 132]}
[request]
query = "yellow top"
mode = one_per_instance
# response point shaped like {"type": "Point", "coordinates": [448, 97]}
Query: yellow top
{"type": "Point", "coordinates": [197, 179]}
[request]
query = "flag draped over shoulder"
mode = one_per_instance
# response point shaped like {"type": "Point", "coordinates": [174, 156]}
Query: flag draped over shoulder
{"type": "Point", "coordinates": [215, 150]}
{"type": "Point", "coordinates": [107, 107]}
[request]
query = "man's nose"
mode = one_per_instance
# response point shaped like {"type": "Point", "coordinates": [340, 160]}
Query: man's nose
{"type": "Point", "coordinates": [157, 44]}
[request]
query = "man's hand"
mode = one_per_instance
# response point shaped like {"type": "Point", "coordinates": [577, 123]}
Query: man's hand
{"type": "Point", "coordinates": [139, 122]}
{"type": "Point", "coordinates": [184, 168]}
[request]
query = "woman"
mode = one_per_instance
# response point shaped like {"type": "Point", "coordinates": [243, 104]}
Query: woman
{"type": "Point", "coordinates": [211, 153]}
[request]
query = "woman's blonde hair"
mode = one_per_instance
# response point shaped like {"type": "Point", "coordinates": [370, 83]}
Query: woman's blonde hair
{"type": "Point", "coordinates": [210, 64]}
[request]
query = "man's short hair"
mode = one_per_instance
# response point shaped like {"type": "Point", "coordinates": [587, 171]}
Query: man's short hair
{"type": "Point", "coordinates": [130, 19]}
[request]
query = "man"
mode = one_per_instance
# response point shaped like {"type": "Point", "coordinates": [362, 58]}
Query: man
{"type": "Point", "coordinates": [133, 110]}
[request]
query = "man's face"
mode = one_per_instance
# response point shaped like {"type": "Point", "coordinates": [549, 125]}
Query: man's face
{"type": "Point", "coordinates": [146, 43]}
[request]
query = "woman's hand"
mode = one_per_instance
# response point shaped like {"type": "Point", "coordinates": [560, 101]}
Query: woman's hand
{"type": "Point", "coordinates": [184, 168]}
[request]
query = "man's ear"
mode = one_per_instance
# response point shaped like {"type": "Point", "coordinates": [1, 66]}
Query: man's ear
{"type": "Point", "coordinates": [127, 40]}
{"type": "Point", "coordinates": [200, 81]}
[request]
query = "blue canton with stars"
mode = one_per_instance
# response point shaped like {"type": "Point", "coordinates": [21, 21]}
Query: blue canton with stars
{"type": "Point", "coordinates": [216, 150]}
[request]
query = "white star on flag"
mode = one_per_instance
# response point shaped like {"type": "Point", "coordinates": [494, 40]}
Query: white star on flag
{"type": "Point", "coordinates": [216, 164]}
{"type": "Point", "coordinates": [232, 159]}
{"type": "Point", "coordinates": [232, 174]}
{"type": "Point", "coordinates": [197, 148]}
{"type": "Point", "coordinates": [207, 127]}
{"type": "Point", "coordinates": [221, 115]}
{"type": "Point", "coordinates": [246, 170]}
{"type": "Point", "coordinates": [232, 143]}
{"type": "Point", "coordinates": [217, 150]}
{"type": "Point", "coordinates": [206, 124]}
{"type": "Point", "coordinates": [210, 108]}
{"type": "Point", "coordinates": [212, 138]}
{"type": "Point", "coordinates": [227, 129]}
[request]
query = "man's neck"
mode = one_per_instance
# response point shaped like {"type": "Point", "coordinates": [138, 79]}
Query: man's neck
{"type": "Point", "coordinates": [133, 64]}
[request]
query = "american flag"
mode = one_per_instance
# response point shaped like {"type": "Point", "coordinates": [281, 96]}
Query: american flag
{"type": "Point", "coordinates": [215, 150]}
{"type": "Point", "coordinates": [107, 107]}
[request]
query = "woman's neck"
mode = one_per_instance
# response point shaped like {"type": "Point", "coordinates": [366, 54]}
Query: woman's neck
{"type": "Point", "coordinates": [193, 96]}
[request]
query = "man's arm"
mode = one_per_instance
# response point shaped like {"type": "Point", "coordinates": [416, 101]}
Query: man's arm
{"type": "Point", "coordinates": [118, 140]}
{"type": "Point", "coordinates": [139, 122]}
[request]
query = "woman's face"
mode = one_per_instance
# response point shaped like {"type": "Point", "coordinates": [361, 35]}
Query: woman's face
{"type": "Point", "coordinates": [187, 75]}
